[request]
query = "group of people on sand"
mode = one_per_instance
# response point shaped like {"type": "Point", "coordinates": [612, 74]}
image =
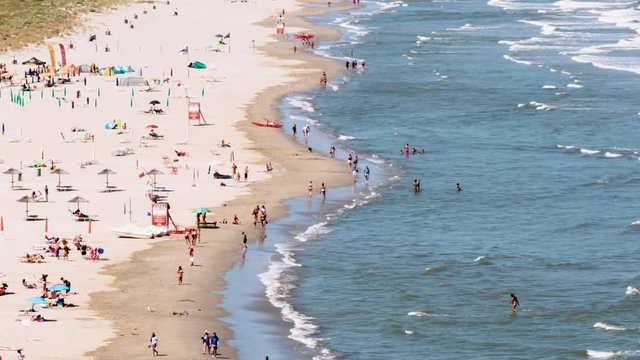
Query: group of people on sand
{"type": "Point", "coordinates": [259, 215]}
{"type": "Point", "coordinates": [54, 246]}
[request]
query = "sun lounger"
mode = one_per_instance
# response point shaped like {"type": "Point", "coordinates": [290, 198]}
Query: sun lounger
{"type": "Point", "coordinates": [64, 188]}
{"type": "Point", "coordinates": [33, 218]}
{"type": "Point", "coordinates": [208, 225]}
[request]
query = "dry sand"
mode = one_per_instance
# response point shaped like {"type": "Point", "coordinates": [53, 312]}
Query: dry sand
{"type": "Point", "coordinates": [134, 291]}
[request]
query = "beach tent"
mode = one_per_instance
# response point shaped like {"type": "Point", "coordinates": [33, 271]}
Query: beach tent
{"type": "Point", "coordinates": [33, 61]}
{"type": "Point", "coordinates": [108, 71]}
{"type": "Point", "coordinates": [133, 81]}
{"type": "Point", "coordinates": [197, 65]}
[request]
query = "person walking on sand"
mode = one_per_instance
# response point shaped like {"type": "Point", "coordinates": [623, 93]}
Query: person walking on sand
{"type": "Point", "coordinates": [234, 168]}
{"type": "Point", "coordinates": [323, 191]}
{"type": "Point", "coordinates": [206, 346]}
{"type": "Point", "coordinates": [246, 173]}
{"type": "Point", "coordinates": [215, 344]}
{"type": "Point", "coordinates": [294, 129]}
{"type": "Point", "coordinates": [180, 275]}
{"type": "Point", "coordinates": [514, 303]}
{"type": "Point", "coordinates": [153, 344]}
{"type": "Point", "coordinates": [310, 189]}
{"type": "Point", "coordinates": [191, 255]}
{"type": "Point", "coordinates": [244, 242]}
{"type": "Point", "coordinates": [46, 193]}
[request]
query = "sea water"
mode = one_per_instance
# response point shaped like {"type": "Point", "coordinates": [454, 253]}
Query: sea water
{"type": "Point", "coordinates": [533, 108]}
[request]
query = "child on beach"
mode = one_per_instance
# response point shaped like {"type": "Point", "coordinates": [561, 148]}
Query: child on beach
{"type": "Point", "coordinates": [180, 275]}
{"type": "Point", "coordinates": [153, 344]}
{"type": "Point", "coordinates": [191, 255]}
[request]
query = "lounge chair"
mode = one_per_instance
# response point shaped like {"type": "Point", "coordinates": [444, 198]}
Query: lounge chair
{"type": "Point", "coordinates": [208, 225]}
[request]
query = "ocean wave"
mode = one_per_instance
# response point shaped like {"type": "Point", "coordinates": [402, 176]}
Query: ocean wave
{"type": "Point", "coordinates": [517, 61]}
{"type": "Point", "coordinates": [595, 354]}
{"type": "Point", "coordinates": [313, 232]}
{"type": "Point", "coordinates": [481, 260]}
{"type": "Point", "coordinates": [436, 269]}
{"type": "Point", "coordinates": [565, 146]}
{"type": "Point", "coordinates": [636, 222]}
{"type": "Point", "coordinates": [575, 86]}
{"type": "Point", "coordinates": [631, 291]}
{"type": "Point", "coordinates": [589, 151]}
{"type": "Point", "coordinates": [608, 327]}
{"type": "Point", "coordinates": [408, 332]}
{"type": "Point", "coordinates": [418, 313]}
{"type": "Point", "coordinates": [549, 87]}
{"type": "Point", "coordinates": [301, 103]}
{"type": "Point", "coordinates": [538, 106]}
{"type": "Point", "coordinates": [346, 137]}
{"type": "Point", "coordinates": [422, 39]}
{"type": "Point", "coordinates": [303, 118]}
{"type": "Point", "coordinates": [612, 155]}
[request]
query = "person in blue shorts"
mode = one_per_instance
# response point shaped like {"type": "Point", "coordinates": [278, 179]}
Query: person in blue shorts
{"type": "Point", "coordinates": [215, 342]}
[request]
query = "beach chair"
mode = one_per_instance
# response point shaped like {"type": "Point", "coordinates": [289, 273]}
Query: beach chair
{"type": "Point", "coordinates": [208, 225]}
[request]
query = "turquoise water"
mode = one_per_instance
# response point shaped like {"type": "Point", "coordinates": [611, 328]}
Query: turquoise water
{"type": "Point", "coordinates": [533, 108]}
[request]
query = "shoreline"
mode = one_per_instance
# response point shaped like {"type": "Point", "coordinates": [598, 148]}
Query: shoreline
{"type": "Point", "coordinates": [272, 191]}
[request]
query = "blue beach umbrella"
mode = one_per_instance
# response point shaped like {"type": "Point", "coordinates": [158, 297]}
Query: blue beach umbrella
{"type": "Point", "coordinates": [36, 300]}
{"type": "Point", "coordinates": [59, 287]}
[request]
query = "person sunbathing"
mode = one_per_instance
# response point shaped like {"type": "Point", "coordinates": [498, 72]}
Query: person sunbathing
{"type": "Point", "coordinates": [28, 285]}
{"type": "Point", "coordinates": [180, 153]}
{"type": "Point", "coordinates": [154, 135]}
{"type": "Point", "coordinates": [235, 220]}
{"type": "Point", "coordinates": [3, 289]}
{"type": "Point", "coordinates": [80, 214]}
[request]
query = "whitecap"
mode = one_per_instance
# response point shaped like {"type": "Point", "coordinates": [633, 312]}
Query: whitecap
{"type": "Point", "coordinates": [575, 86]}
{"type": "Point", "coordinates": [409, 332]}
{"type": "Point", "coordinates": [517, 61]}
{"type": "Point", "coordinates": [346, 137]}
{"type": "Point", "coordinates": [480, 259]}
{"type": "Point", "coordinates": [549, 87]}
{"type": "Point", "coordinates": [589, 151]}
{"type": "Point", "coordinates": [313, 232]}
{"type": "Point", "coordinates": [608, 327]}
{"type": "Point", "coordinates": [612, 155]}
{"type": "Point", "coordinates": [637, 222]}
{"type": "Point", "coordinates": [566, 146]}
{"type": "Point", "coordinates": [632, 291]}
{"type": "Point", "coordinates": [595, 354]}
{"type": "Point", "coordinates": [417, 313]}
{"type": "Point", "coordinates": [423, 38]}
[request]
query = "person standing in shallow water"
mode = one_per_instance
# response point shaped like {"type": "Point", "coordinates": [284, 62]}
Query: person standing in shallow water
{"type": "Point", "coordinates": [514, 303]}
{"type": "Point", "coordinates": [458, 188]}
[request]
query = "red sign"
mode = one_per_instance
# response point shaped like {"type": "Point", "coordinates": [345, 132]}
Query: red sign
{"type": "Point", "coordinates": [159, 214]}
{"type": "Point", "coordinates": [194, 111]}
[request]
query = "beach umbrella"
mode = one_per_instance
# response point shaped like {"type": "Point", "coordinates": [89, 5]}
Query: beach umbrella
{"type": "Point", "coordinates": [59, 171]}
{"type": "Point", "coordinates": [59, 287]}
{"type": "Point", "coordinates": [36, 300]}
{"type": "Point", "coordinates": [154, 172]}
{"type": "Point", "coordinates": [152, 126]}
{"type": "Point", "coordinates": [78, 200]}
{"type": "Point", "coordinates": [12, 172]}
{"type": "Point", "coordinates": [154, 102]}
{"type": "Point", "coordinates": [201, 210]}
{"type": "Point", "coordinates": [107, 172]}
{"type": "Point", "coordinates": [26, 200]}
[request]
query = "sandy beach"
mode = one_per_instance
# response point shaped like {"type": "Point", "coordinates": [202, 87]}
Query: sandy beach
{"type": "Point", "coordinates": [132, 290]}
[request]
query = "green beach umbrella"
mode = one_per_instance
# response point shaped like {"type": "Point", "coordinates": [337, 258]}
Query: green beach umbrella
{"type": "Point", "coordinates": [29, 95]}
{"type": "Point", "coordinates": [59, 103]}
{"type": "Point", "coordinates": [131, 102]}
{"type": "Point", "coordinates": [98, 92]}
{"type": "Point", "coordinates": [41, 94]}
{"type": "Point", "coordinates": [95, 102]}
{"type": "Point", "coordinates": [52, 93]}
{"type": "Point", "coordinates": [64, 92]}
{"type": "Point", "coordinates": [132, 93]}
{"type": "Point", "coordinates": [169, 92]}
{"type": "Point", "coordinates": [201, 210]}
{"type": "Point", "coordinates": [203, 92]}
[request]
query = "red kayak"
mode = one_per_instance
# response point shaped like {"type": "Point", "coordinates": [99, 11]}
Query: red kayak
{"type": "Point", "coordinates": [271, 124]}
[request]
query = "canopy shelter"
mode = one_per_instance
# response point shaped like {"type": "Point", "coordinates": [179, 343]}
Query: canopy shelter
{"type": "Point", "coordinates": [202, 210]}
{"type": "Point", "coordinates": [33, 61]}
{"type": "Point", "coordinates": [27, 200]}
{"type": "Point", "coordinates": [133, 81]}
{"type": "Point", "coordinates": [197, 65]}
{"type": "Point", "coordinates": [154, 172]}
{"type": "Point", "coordinates": [107, 172]}
{"type": "Point", "coordinates": [12, 172]}
{"type": "Point", "coordinates": [78, 200]}
{"type": "Point", "coordinates": [59, 171]}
